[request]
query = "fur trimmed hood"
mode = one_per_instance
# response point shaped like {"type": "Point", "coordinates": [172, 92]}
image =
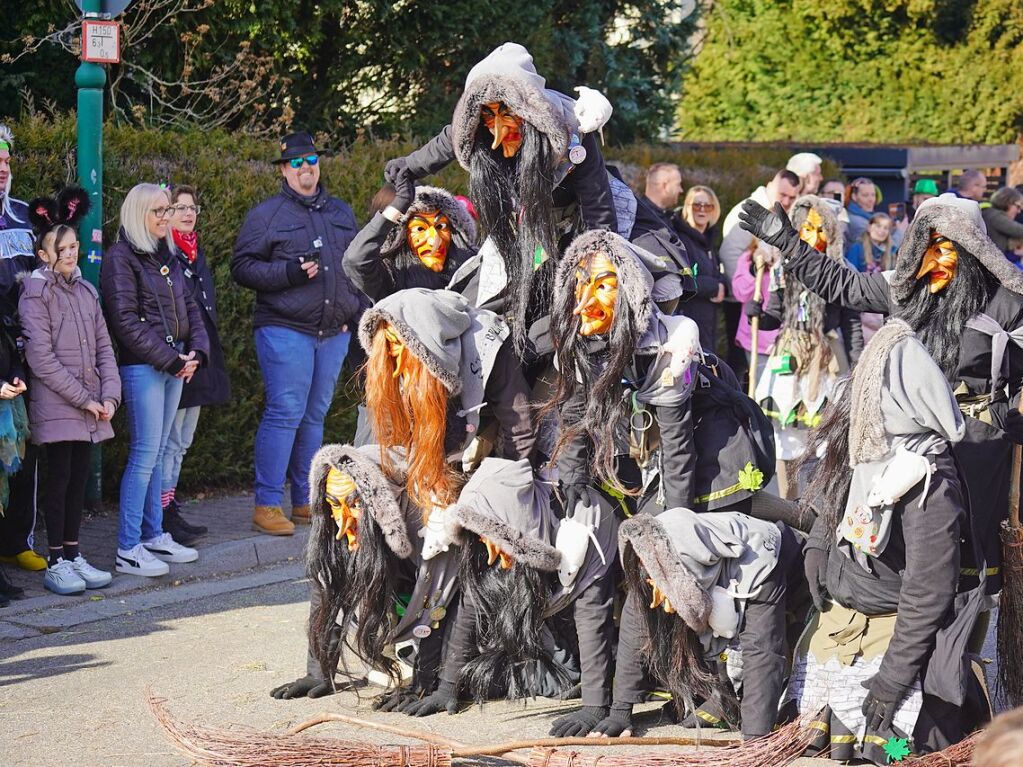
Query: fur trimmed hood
{"type": "Point", "coordinates": [635, 283]}
{"type": "Point", "coordinates": [508, 75]}
{"type": "Point", "coordinates": [377, 493]}
{"type": "Point", "coordinates": [432, 198]}
{"type": "Point", "coordinates": [504, 503]}
{"type": "Point", "coordinates": [442, 318]}
{"type": "Point", "coordinates": [953, 222]}
{"type": "Point", "coordinates": [829, 216]}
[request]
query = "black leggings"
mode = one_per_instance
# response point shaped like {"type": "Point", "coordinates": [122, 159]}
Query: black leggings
{"type": "Point", "coordinates": [68, 473]}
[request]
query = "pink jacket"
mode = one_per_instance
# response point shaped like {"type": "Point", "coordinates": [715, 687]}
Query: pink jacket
{"type": "Point", "coordinates": [743, 284]}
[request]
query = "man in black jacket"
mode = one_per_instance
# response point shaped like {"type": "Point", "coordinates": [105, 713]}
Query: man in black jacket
{"type": "Point", "coordinates": [289, 251]}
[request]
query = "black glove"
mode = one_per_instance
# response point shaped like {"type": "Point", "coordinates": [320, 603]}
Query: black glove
{"type": "Point", "coordinates": [617, 722]}
{"type": "Point", "coordinates": [1014, 426]}
{"type": "Point", "coordinates": [579, 723]}
{"type": "Point", "coordinates": [815, 564]}
{"type": "Point", "coordinates": [395, 168]}
{"type": "Point", "coordinates": [296, 274]}
{"type": "Point", "coordinates": [752, 309]}
{"type": "Point", "coordinates": [769, 226]}
{"type": "Point", "coordinates": [575, 494]}
{"type": "Point", "coordinates": [443, 698]}
{"type": "Point", "coordinates": [393, 700]}
{"type": "Point", "coordinates": [404, 191]}
{"type": "Point", "coordinates": [308, 686]}
{"type": "Point", "coordinates": [880, 704]}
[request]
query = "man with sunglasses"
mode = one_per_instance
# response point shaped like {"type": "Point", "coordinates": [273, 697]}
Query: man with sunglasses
{"type": "Point", "coordinates": [289, 251]}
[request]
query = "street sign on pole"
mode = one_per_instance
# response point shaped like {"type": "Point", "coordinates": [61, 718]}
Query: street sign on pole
{"type": "Point", "coordinates": [101, 42]}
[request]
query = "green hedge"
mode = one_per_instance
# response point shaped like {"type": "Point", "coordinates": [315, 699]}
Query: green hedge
{"type": "Point", "coordinates": [233, 173]}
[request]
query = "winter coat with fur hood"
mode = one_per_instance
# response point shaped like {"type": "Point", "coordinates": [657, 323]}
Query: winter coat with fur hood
{"type": "Point", "coordinates": [70, 357]}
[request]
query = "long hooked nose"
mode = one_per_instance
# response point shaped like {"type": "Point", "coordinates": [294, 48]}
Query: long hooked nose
{"type": "Point", "coordinates": [584, 299]}
{"type": "Point", "coordinates": [433, 238]}
{"type": "Point", "coordinates": [501, 128]}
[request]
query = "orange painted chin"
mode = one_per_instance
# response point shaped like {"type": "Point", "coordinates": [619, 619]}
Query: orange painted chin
{"type": "Point", "coordinates": [434, 261]}
{"type": "Point", "coordinates": [594, 320]}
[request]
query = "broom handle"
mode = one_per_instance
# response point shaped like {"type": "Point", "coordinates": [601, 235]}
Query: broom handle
{"type": "Point", "coordinates": [754, 328]}
{"type": "Point", "coordinates": [1017, 460]}
{"type": "Point", "coordinates": [504, 748]}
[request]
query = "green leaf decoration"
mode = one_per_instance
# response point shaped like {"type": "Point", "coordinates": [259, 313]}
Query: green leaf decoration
{"type": "Point", "coordinates": [896, 749]}
{"type": "Point", "coordinates": [751, 478]}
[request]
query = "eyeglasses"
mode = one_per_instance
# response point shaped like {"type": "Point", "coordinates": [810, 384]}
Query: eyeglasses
{"type": "Point", "coordinates": [161, 212]}
{"type": "Point", "coordinates": [196, 209]}
{"type": "Point", "coordinates": [297, 162]}
{"type": "Point", "coordinates": [703, 206]}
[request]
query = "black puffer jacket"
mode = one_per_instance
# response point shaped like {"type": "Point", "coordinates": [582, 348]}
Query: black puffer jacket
{"type": "Point", "coordinates": [701, 309]}
{"type": "Point", "coordinates": [149, 309]}
{"type": "Point", "coordinates": [278, 232]}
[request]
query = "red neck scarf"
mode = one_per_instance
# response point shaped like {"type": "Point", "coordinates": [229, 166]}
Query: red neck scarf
{"type": "Point", "coordinates": [188, 242]}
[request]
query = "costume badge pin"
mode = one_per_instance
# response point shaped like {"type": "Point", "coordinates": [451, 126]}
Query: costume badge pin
{"type": "Point", "coordinates": [577, 154]}
{"type": "Point", "coordinates": [421, 632]}
{"type": "Point", "coordinates": [317, 243]}
{"type": "Point", "coordinates": [164, 270]}
{"type": "Point", "coordinates": [437, 614]}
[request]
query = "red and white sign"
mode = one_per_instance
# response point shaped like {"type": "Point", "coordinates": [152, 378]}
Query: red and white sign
{"type": "Point", "coordinates": [101, 42]}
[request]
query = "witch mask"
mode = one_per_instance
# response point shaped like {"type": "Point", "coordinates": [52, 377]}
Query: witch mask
{"type": "Point", "coordinates": [505, 127]}
{"type": "Point", "coordinates": [939, 262]}
{"type": "Point", "coordinates": [496, 554]}
{"type": "Point", "coordinates": [812, 231]}
{"type": "Point", "coordinates": [659, 599]}
{"type": "Point", "coordinates": [429, 237]}
{"type": "Point", "coordinates": [343, 500]}
{"type": "Point", "coordinates": [396, 349]}
{"type": "Point", "coordinates": [596, 293]}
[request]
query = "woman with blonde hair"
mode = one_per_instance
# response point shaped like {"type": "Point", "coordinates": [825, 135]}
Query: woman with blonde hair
{"type": "Point", "coordinates": [875, 250]}
{"type": "Point", "coordinates": [697, 228]}
{"type": "Point", "coordinates": [162, 342]}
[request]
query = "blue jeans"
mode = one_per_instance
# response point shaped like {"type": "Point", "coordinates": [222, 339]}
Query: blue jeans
{"type": "Point", "coordinates": [299, 376]}
{"type": "Point", "coordinates": [178, 441]}
{"type": "Point", "coordinates": [151, 398]}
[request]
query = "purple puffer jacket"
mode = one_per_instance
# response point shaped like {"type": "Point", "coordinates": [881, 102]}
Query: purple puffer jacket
{"type": "Point", "coordinates": [70, 358]}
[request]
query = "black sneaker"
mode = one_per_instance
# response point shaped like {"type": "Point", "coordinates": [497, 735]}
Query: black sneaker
{"type": "Point", "coordinates": [176, 526]}
{"type": "Point", "coordinates": [8, 590]}
{"type": "Point", "coordinates": [175, 508]}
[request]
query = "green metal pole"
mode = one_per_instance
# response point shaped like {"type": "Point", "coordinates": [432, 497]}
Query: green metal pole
{"type": "Point", "coordinates": [91, 79]}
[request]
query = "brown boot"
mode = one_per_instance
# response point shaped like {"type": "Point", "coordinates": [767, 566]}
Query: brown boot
{"type": "Point", "coordinates": [271, 520]}
{"type": "Point", "coordinates": [300, 514]}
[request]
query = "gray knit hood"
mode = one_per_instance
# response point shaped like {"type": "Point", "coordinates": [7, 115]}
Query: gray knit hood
{"type": "Point", "coordinates": [446, 315]}
{"type": "Point", "coordinates": [958, 223]}
{"type": "Point", "coordinates": [377, 493]}
{"type": "Point", "coordinates": [508, 75]}
{"type": "Point", "coordinates": [635, 283]}
{"type": "Point", "coordinates": [686, 554]}
{"type": "Point", "coordinates": [829, 216]}
{"type": "Point", "coordinates": [504, 503]}
{"type": "Point", "coordinates": [428, 199]}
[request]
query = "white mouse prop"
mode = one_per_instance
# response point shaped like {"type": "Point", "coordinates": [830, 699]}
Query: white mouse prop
{"type": "Point", "coordinates": [592, 110]}
{"type": "Point", "coordinates": [572, 540]}
{"type": "Point", "coordinates": [435, 534]}
{"type": "Point", "coordinates": [899, 476]}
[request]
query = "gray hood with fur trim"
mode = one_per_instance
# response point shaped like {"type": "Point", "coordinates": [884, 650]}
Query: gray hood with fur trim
{"type": "Point", "coordinates": [829, 216]}
{"type": "Point", "coordinates": [428, 199]}
{"type": "Point", "coordinates": [635, 283]}
{"type": "Point", "coordinates": [687, 554]}
{"type": "Point", "coordinates": [378, 494]}
{"type": "Point", "coordinates": [504, 503]}
{"type": "Point", "coordinates": [953, 222]}
{"type": "Point", "coordinates": [508, 75]}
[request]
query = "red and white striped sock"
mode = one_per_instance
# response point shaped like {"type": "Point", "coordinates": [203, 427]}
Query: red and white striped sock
{"type": "Point", "coordinates": [166, 497]}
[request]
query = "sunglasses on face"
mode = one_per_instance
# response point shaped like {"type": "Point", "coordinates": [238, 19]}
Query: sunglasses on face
{"type": "Point", "coordinates": [705, 206]}
{"type": "Point", "coordinates": [297, 162]}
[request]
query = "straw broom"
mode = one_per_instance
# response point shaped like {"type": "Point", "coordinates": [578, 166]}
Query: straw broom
{"type": "Point", "coordinates": [1010, 605]}
{"type": "Point", "coordinates": [754, 323]}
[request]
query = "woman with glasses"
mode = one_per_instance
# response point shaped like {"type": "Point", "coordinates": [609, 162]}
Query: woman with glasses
{"type": "Point", "coordinates": [698, 230]}
{"type": "Point", "coordinates": [210, 384]}
{"type": "Point", "coordinates": [161, 341]}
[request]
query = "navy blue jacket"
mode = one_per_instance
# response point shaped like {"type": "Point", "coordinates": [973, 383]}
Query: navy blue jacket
{"type": "Point", "coordinates": [275, 235]}
{"type": "Point", "coordinates": [210, 385]}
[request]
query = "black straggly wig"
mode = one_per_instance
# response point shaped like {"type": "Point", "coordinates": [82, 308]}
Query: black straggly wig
{"type": "Point", "coordinates": [939, 319]}
{"type": "Point", "coordinates": [509, 607]}
{"type": "Point", "coordinates": [350, 585]}
{"type": "Point", "coordinates": [513, 198]}
{"type": "Point", "coordinates": [606, 409]}
{"type": "Point", "coordinates": [828, 488]}
{"type": "Point", "coordinates": [674, 654]}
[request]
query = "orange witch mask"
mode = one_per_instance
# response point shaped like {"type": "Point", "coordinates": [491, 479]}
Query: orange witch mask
{"type": "Point", "coordinates": [812, 231]}
{"type": "Point", "coordinates": [343, 500]}
{"type": "Point", "coordinates": [396, 348]}
{"type": "Point", "coordinates": [494, 554]}
{"type": "Point", "coordinates": [429, 237]}
{"type": "Point", "coordinates": [660, 599]}
{"type": "Point", "coordinates": [505, 127]}
{"type": "Point", "coordinates": [596, 293]}
{"type": "Point", "coordinates": [939, 262]}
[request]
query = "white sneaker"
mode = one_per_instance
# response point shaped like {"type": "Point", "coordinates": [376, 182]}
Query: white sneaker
{"type": "Point", "coordinates": [138, 561]}
{"type": "Point", "coordinates": [62, 579]}
{"type": "Point", "coordinates": [94, 577]}
{"type": "Point", "coordinates": [163, 547]}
